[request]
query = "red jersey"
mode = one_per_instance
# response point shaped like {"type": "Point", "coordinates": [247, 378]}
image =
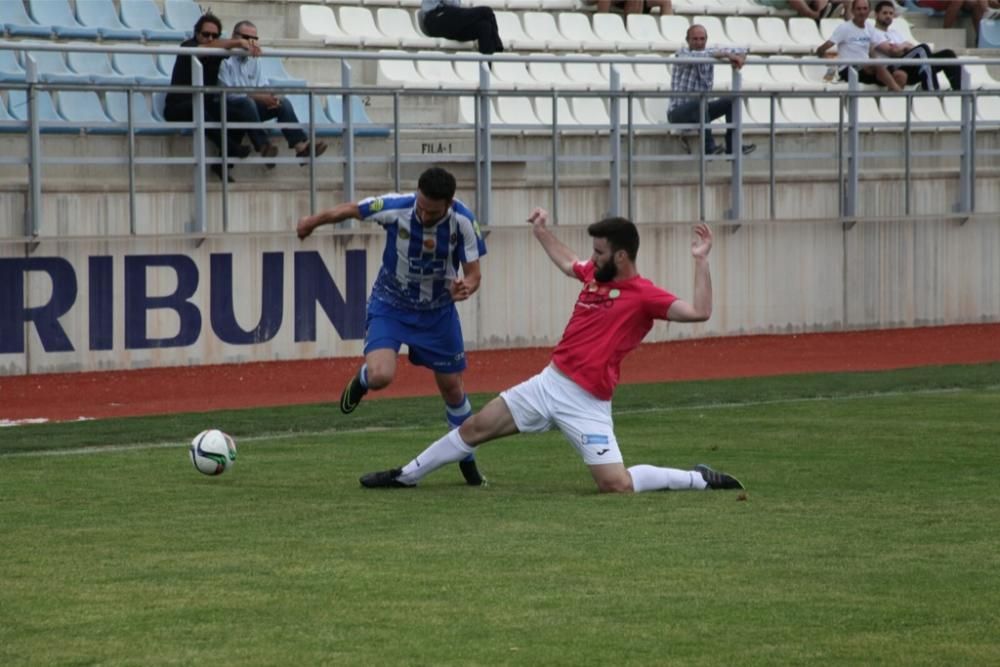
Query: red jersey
{"type": "Point", "coordinates": [609, 321]}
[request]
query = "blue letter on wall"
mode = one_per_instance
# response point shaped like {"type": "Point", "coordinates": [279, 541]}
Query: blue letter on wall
{"type": "Point", "coordinates": [102, 302]}
{"type": "Point", "coordinates": [137, 303]}
{"type": "Point", "coordinates": [13, 314]}
{"type": "Point", "coordinates": [224, 322]}
{"type": "Point", "coordinates": [314, 284]}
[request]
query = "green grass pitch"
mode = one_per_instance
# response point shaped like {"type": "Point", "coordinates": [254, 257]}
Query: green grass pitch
{"type": "Point", "coordinates": [870, 534]}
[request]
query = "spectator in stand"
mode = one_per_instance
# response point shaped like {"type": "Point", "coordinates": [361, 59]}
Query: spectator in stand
{"type": "Point", "coordinates": [699, 78]}
{"type": "Point", "coordinates": [178, 107]}
{"type": "Point", "coordinates": [812, 9]}
{"type": "Point", "coordinates": [244, 71]}
{"type": "Point", "coordinates": [854, 40]}
{"type": "Point", "coordinates": [636, 6]}
{"type": "Point", "coordinates": [448, 20]}
{"type": "Point", "coordinates": [889, 43]}
{"type": "Point", "coordinates": [952, 8]}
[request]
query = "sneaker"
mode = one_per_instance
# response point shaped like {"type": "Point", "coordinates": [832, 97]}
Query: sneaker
{"type": "Point", "coordinates": [749, 148]}
{"type": "Point", "coordinates": [353, 393]}
{"type": "Point", "coordinates": [718, 149]}
{"type": "Point", "coordinates": [470, 471]}
{"type": "Point", "coordinates": [384, 479]}
{"type": "Point", "coordinates": [716, 479]}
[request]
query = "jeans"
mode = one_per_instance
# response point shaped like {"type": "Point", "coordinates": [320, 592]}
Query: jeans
{"type": "Point", "coordinates": [253, 111]}
{"type": "Point", "coordinates": [183, 110]}
{"type": "Point", "coordinates": [687, 112]}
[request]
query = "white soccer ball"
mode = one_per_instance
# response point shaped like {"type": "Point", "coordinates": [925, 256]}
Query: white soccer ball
{"type": "Point", "coordinates": [213, 452]}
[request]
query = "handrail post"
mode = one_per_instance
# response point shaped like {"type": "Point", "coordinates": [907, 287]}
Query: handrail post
{"type": "Point", "coordinates": [345, 83]}
{"type": "Point", "coordinates": [736, 189]}
{"type": "Point", "coordinates": [853, 142]}
{"type": "Point", "coordinates": [615, 138]}
{"type": "Point", "coordinates": [34, 213]}
{"type": "Point", "coordinates": [486, 150]}
{"type": "Point", "coordinates": [198, 113]}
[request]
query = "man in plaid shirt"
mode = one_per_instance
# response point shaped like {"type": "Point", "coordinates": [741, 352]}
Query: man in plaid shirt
{"type": "Point", "coordinates": [699, 78]}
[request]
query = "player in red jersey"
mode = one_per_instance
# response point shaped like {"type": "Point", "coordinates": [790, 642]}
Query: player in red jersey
{"type": "Point", "coordinates": [614, 311]}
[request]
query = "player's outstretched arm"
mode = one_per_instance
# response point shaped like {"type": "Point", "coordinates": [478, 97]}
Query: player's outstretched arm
{"type": "Point", "coordinates": [464, 287]}
{"type": "Point", "coordinates": [700, 308]}
{"type": "Point", "coordinates": [339, 213]}
{"type": "Point", "coordinates": [558, 252]}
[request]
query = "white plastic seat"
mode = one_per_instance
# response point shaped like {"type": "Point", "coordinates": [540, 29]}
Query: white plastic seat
{"type": "Point", "coordinates": [794, 79]}
{"type": "Point", "coordinates": [587, 75]}
{"type": "Point", "coordinates": [514, 76]}
{"type": "Point", "coordinates": [674, 28]}
{"type": "Point", "coordinates": [723, 77]}
{"type": "Point", "coordinates": [748, 8]}
{"type": "Point", "coordinates": [401, 72]}
{"type": "Point", "coordinates": [656, 109]}
{"type": "Point", "coordinates": [517, 111]}
{"type": "Point", "coordinates": [827, 26]}
{"type": "Point", "coordinates": [742, 32]}
{"type": "Point", "coordinates": [799, 110]}
{"type": "Point", "coordinates": [757, 76]}
{"type": "Point", "coordinates": [610, 27]}
{"type": "Point", "coordinates": [758, 110]}
{"type": "Point", "coordinates": [577, 25]}
{"type": "Point", "coordinates": [398, 24]}
{"type": "Point", "coordinates": [513, 36]}
{"type": "Point", "coordinates": [564, 116]}
{"type": "Point", "coordinates": [467, 111]}
{"type": "Point", "coordinates": [987, 108]}
{"type": "Point", "coordinates": [774, 31]}
{"type": "Point", "coordinates": [630, 80]}
{"type": "Point", "coordinates": [550, 73]}
{"type": "Point", "coordinates": [541, 26]}
{"type": "Point", "coordinates": [467, 72]}
{"type": "Point", "coordinates": [440, 72]}
{"type": "Point", "coordinates": [828, 110]}
{"type": "Point", "coordinates": [646, 28]}
{"type": "Point", "coordinates": [359, 21]}
{"type": "Point", "coordinates": [639, 118]}
{"type": "Point", "coordinates": [717, 35]}
{"type": "Point", "coordinates": [980, 78]}
{"type": "Point", "coordinates": [318, 24]}
{"type": "Point", "coordinates": [590, 111]}
{"type": "Point", "coordinates": [654, 73]}
{"type": "Point", "coordinates": [805, 32]}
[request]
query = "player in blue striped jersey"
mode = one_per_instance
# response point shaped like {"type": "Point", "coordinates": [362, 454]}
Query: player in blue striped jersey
{"type": "Point", "coordinates": [430, 235]}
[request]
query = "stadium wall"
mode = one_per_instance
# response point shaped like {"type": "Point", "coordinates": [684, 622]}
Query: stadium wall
{"type": "Point", "coordinates": [132, 302]}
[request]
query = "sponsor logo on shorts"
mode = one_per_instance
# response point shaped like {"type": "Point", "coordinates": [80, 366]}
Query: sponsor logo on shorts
{"type": "Point", "coordinates": [593, 439]}
{"type": "Point", "coordinates": [602, 452]}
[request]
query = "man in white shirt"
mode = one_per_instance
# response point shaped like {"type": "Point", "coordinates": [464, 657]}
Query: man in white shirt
{"type": "Point", "coordinates": [890, 43]}
{"type": "Point", "coordinates": [853, 40]}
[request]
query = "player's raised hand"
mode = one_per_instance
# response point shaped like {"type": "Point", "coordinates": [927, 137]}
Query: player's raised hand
{"type": "Point", "coordinates": [305, 227]}
{"type": "Point", "coordinates": [538, 218]}
{"type": "Point", "coordinates": [702, 243]}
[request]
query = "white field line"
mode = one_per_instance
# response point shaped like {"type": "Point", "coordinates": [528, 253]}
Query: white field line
{"type": "Point", "coordinates": [105, 449]}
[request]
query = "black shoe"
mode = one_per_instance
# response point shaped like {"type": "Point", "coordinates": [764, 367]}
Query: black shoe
{"type": "Point", "coordinates": [217, 170]}
{"type": "Point", "coordinates": [470, 471]}
{"type": "Point", "coordinates": [384, 479]}
{"type": "Point", "coordinates": [716, 150]}
{"type": "Point", "coordinates": [239, 151]}
{"type": "Point", "coordinates": [749, 148]}
{"type": "Point", "coordinates": [353, 393]}
{"type": "Point", "coordinates": [716, 479]}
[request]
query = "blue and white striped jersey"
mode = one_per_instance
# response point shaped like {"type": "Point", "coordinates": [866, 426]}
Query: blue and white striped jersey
{"type": "Point", "coordinates": [419, 263]}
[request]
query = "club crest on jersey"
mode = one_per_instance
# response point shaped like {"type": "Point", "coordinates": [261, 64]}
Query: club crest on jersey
{"type": "Point", "coordinates": [429, 244]}
{"type": "Point", "coordinates": [454, 238]}
{"type": "Point", "coordinates": [614, 294]}
{"type": "Point", "coordinates": [404, 234]}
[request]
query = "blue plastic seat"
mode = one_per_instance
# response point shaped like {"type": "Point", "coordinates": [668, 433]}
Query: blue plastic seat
{"type": "Point", "coordinates": [117, 107]}
{"type": "Point", "coordinates": [145, 16]}
{"type": "Point", "coordinates": [101, 14]}
{"type": "Point", "coordinates": [7, 121]}
{"type": "Point", "coordinates": [989, 34]}
{"type": "Point", "coordinates": [52, 67]}
{"type": "Point", "coordinates": [17, 23]}
{"type": "Point", "coordinates": [181, 15]}
{"type": "Point", "coordinates": [141, 67]}
{"type": "Point", "coordinates": [323, 123]}
{"type": "Point", "coordinates": [165, 62]}
{"type": "Point", "coordinates": [96, 67]}
{"type": "Point", "coordinates": [84, 107]}
{"type": "Point", "coordinates": [912, 6]}
{"type": "Point", "coordinates": [359, 116]}
{"type": "Point", "coordinates": [58, 15]}
{"type": "Point", "coordinates": [277, 75]}
{"type": "Point", "coordinates": [17, 100]}
{"type": "Point", "coordinates": [10, 69]}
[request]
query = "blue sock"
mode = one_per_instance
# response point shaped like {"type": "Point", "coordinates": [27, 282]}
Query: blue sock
{"type": "Point", "coordinates": [456, 415]}
{"type": "Point", "coordinates": [363, 375]}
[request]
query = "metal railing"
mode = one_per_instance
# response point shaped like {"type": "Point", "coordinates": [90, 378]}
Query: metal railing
{"type": "Point", "coordinates": [620, 132]}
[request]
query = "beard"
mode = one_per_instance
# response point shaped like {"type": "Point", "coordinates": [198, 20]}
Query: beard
{"type": "Point", "coordinates": [606, 273]}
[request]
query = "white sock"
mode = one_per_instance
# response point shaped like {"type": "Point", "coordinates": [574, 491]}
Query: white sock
{"type": "Point", "coordinates": [449, 449]}
{"type": "Point", "coordinates": [651, 478]}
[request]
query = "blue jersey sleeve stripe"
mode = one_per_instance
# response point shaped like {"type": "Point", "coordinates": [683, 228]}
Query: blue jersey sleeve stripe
{"type": "Point", "coordinates": [372, 206]}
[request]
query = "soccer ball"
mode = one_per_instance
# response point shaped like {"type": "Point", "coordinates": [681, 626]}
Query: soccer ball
{"type": "Point", "coordinates": [213, 452]}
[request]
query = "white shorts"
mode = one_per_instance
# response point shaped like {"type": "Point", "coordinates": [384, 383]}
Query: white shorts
{"type": "Point", "coordinates": [552, 399]}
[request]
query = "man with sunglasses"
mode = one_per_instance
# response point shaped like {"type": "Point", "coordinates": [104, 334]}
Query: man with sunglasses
{"type": "Point", "coordinates": [429, 236]}
{"type": "Point", "coordinates": [179, 106]}
{"type": "Point", "coordinates": [243, 71]}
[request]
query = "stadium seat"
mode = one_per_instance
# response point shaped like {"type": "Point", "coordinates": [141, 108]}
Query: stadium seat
{"type": "Point", "coordinates": [52, 67]}
{"type": "Point", "coordinates": [323, 124]}
{"type": "Point", "coordinates": [514, 76]}
{"type": "Point", "coordinates": [144, 15]}
{"type": "Point", "coordinates": [10, 68]}
{"type": "Point", "coordinates": [17, 101]}
{"type": "Point", "coordinates": [587, 75]}
{"type": "Point", "coordinates": [398, 24]}
{"type": "Point", "coordinates": [16, 22]}
{"type": "Point", "coordinates": [400, 72]}
{"type": "Point", "coordinates": [639, 119]}
{"type": "Point", "coordinates": [550, 73]}
{"type": "Point", "coordinates": [630, 80]}
{"type": "Point", "coordinates": [827, 26]}
{"type": "Point", "coordinates": [717, 35]}
{"type": "Point", "coordinates": [517, 111]}
{"type": "Point", "coordinates": [748, 8]}
{"type": "Point", "coordinates": [980, 78]}
{"type": "Point", "coordinates": [645, 28]}
{"type": "Point", "coordinates": [117, 108]}
{"type": "Point", "coordinates": [440, 73]}
{"type": "Point", "coordinates": [805, 33]}
{"type": "Point", "coordinates": [800, 111]}
{"type": "Point", "coordinates": [989, 34]}
{"type": "Point", "coordinates": [363, 125]}
{"type": "Point", "coordinates": [276, 74]}
{"type": "Point", "coordinates": [912, 6]}
{"type": "Point", "coordinates": [674, 29]}
{"type": "Point", "coordinates": [181, 15]}
{"type": "Point", "coordinates": [611, 28]}
{"type": "Point", "coordinates": [541, 26]}
{"type": "Point", "coordinates": [794, 79]}
{"type": "Point", "coordinates": [742, 32]}
{"type": "Point", "coordinates": [101, 14]}
{"type": "Point", "coordinates": [563, 116]}
{"type": "Point", "coordinates": [57, 15]}
{"type": "Point", "coordinates": [141, 67]}
{"type": "Point", "coordinates": [577, 25]}
{"type": "Point", "coordinates": [513, 36]}
{"type": "Point", "coordinates": [590, 111]}
{"type": "Point", "coordinates": [656, 109]}
{"type": "Point", "coordinates": [165, 63]}
{"type": "Point", "coordinates": [96, 67]}
{"type": "Point", "coordinates": [467, 111]}
{"type": "Point", "coordinates": [7, 122]}
{"type": "Point", "coordinates": [757, 76]}
{"type": "Point", "coordinates": [654, 73]}
{"type": "Point", "coordinates": [758, 110]}
{"type": "Point", "coordinates": [774, 31]}
{"type": "Point", "coordinates": [359, 21]}
{"type": "Point", "coordinates": [83, 107]}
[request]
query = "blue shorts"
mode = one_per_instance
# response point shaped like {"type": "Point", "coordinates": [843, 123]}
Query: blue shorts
{"type": "Point", "coordinates": [434, 337]}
